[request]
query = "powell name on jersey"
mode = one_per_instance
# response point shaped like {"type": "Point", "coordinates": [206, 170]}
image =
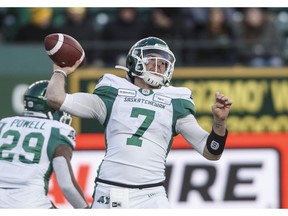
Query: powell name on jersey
{"type": "Point", "coordinates": [27, 145]}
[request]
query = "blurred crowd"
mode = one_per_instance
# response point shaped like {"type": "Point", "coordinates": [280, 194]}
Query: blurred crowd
{"type": "Point", "coordinates": [256, 37]}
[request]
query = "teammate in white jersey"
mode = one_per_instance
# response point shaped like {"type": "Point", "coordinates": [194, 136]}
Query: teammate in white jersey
{"type": "Point", "coordinates": [31, 147]}
{"type": "Point", "coordinates": [141, 115]}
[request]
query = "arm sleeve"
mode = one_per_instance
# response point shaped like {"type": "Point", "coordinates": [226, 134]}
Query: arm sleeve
{"type": "Point", "coordinates": [85, 105]}
{"type": "Point", "coordinates": [66, 184]}
{"type": "Point", "coordinates": [192, 132]}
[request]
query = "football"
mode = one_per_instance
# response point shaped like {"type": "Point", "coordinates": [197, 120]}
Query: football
{"type": "Point", "coordinates": [63, 49]}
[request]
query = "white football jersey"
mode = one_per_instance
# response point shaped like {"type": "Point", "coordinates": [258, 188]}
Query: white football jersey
{"type": "Point", "coordinates": [27, 146]}
{"type": "Point", "coordinates": [140, 125]}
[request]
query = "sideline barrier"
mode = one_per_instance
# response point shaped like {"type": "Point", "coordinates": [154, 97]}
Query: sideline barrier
{"type": "Point", "coordinates": [252, 172]}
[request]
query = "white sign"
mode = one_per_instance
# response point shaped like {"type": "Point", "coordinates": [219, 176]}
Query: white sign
{"type": "Point", "coordinates": [242, 178]}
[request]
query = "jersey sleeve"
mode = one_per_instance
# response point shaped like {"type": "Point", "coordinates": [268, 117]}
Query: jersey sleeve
{"type": "Point", "coordinates": [107, 91]}
{"type": "Point", "coordinates": [192, 132]}
{"type": "Point", "coordinates": [62, 135]}
{"type": "Point", "coordinates": [84, 105]}
{"type": "Point", "coordinates": [183, 105]}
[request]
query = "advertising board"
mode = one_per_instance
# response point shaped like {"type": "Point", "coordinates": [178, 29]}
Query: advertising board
{"type": "Point", "coordinates": [250, 174]}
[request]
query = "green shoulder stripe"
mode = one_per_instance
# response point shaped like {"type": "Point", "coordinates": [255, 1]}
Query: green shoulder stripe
{"type": "Point", "coordinates": [55, 140]}
{"type": "Point", "coordinates": [181, 108]}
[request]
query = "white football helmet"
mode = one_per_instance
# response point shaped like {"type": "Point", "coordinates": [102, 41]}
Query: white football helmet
{"type": "Point", "coordinates": [150, 50]}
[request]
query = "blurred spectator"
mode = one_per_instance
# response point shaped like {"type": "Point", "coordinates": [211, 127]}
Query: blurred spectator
{"type": "Point", "coordinates": [79, 25]}
{"type": "Point", "coordinates": [165, 23]}
{"type": "Point", "coordinates": [260, 41]}
{"type": "Point", "coordinates": [195, 19]}
{"type": "Point", "coordinates": [217, 35]}
{"type": "Point", "coordinates": [12, 20]}
{"type": "Point", "coordinates": [199, 36]}
{"type": "Point", "coordinates": [125, 27]}
{"type": "Point", "coordinates": [40, 25]}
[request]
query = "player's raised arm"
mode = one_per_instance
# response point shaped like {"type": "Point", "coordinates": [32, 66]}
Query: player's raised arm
{"type": "Point", "coordinates": [56, 89]}
{"type": "Point", "coordinates": [217, 138]}
{"type": "Point", "coordinates": [67, 54]}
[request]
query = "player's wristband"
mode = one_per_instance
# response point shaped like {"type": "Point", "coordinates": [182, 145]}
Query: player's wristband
{"type": "Point", "coordinates": [215, 143]}
{"type": "Point", "coordinates": [60, 72]}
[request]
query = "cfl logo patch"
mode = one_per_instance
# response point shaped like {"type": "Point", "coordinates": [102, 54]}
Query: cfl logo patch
{"type": "Point", "coordinates": [214, 145]}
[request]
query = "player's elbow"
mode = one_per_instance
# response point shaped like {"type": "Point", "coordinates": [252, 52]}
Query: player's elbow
{"type": "Point", "coordinates": [53, 100]}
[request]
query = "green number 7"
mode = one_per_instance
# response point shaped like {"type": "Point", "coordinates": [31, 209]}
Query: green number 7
{"type": "Point", "coordinates": [150, 114]}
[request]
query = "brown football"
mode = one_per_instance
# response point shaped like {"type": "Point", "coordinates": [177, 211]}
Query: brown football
{"type": "Point", "coordinates": [63, 49]}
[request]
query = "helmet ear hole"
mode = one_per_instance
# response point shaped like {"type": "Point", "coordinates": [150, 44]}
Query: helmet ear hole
{"type": "Point", "coordinates": [131, 65]}
{"type": "Point", "coordinates": [44, 92]}
{"type": "Point", "coordinates": [129, 62]}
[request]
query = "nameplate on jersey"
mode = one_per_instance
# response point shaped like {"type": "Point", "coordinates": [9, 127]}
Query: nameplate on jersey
{"type": "Point", "coordinates": [126, 92]}
{"type": "Point", "coordinates": [162, 99]}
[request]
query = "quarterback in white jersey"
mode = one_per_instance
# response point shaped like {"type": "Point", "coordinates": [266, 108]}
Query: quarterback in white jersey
{"type": "Point", "coordinates": [31, 147]}
{"type": "Point", "coordinates": [141, 115]}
